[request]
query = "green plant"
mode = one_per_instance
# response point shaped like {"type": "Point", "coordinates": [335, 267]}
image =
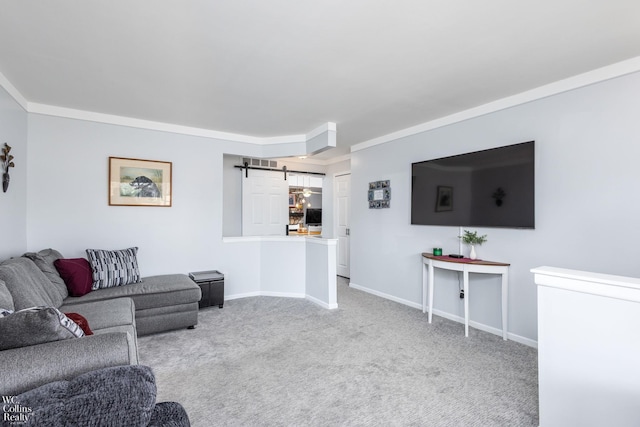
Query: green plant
{"type": "Point", "coordinates": [472, 238]}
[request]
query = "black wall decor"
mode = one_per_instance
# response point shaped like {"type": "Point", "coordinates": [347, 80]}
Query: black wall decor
{"type": "Point", "coordinates": [7, 162]}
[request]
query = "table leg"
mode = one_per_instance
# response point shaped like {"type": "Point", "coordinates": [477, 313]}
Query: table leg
{"type": "Point", "coordinates": [465, 281]}
{"type": "Point", "coordinates": [424, 287]}
{"type": "Point", "coordinates": [430, 285]}
{"type": "Point", "coordinates": [505, 292]}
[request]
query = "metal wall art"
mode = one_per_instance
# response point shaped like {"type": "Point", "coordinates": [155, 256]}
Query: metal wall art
{"type": "Point", "coordinates": [7, 162]}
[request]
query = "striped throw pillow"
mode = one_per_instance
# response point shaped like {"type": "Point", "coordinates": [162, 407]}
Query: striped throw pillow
{"type": "Point", "coordinates": [113, 268]}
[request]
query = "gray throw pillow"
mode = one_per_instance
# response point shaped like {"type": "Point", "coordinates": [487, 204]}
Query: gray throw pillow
{"type": "Point", "coordinates": [36, 325]}
{"type": "Point", "coordinates": [28, 285]}
{"type": "Point", "coordinates": [113, 268]}
{"type": "Point", "coordinates": [44, 260]}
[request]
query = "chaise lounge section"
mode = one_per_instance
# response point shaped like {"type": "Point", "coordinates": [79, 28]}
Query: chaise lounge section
{"type": "Point", "coordinates": [115, 315]}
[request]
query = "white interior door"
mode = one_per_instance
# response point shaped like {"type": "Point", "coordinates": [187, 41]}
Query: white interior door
{"type": "Point", "coordinates": [265, 203]}
{"type": "Point", "coordinates": [342, 191]}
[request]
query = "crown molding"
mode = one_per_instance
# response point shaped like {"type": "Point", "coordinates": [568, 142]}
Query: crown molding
{"type": "Point", "coordinates": [585, 79]}
{"type": "Point", "coordinates": [70, 113]}
{"type": "Point", "coordinates": [13, 92]}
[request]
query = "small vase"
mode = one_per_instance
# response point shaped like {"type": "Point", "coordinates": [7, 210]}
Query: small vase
{"type": "Point", "coordinates": [472, 253]}
{"type": "Point", "coordinates": [5, 182]}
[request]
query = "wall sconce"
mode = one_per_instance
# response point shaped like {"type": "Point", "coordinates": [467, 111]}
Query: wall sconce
{"type": "Point", "coordinates": [499, 194]}
{"type": "Point", "coordinates": [6, 160]}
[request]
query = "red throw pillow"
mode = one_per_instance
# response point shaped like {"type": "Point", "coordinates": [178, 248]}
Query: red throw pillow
{"type": "Point", "coordinates": [77, 275]}
{"type": "Point", "coordinates": [81, 321]}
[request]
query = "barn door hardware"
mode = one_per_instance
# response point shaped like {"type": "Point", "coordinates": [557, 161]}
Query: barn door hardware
{"type": "Point", "coordinates": [284, 169]}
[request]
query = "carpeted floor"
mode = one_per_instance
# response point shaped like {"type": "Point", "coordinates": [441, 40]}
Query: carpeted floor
{"type": "Point", "coordinates": [269, 361]}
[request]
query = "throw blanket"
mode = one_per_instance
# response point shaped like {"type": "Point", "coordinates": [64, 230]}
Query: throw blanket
{"type": "Point", "coordinates": [117, 396]}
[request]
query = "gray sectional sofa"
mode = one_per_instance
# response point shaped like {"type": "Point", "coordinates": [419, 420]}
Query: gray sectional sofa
{"type": "Point", "coordinates": [115, 315]}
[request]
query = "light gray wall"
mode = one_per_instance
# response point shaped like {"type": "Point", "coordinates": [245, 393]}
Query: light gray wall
{"type": "Point", "coordinates": [13, 203]}
{"type": "Point", "coordinates": [587, 202]}
{"type": "Point", "coordinates": [68, 202]}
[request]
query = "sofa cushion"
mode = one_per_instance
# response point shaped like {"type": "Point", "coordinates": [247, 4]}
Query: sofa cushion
{"type": "Point", "coordinates": [36, 326]}
{"type": "Point", "coordinates": [28, 285]}
{"type": "Point", "coordinates": [104, 314]}
{"type": "Point", "coordinates": [44, 260]}
{"type": "Point", "coordinates": [151, 292]}
{"type": "Point", "coordinates": [6, 300]}
{"type": "Point", "coordinates": [77, 275]}
{"type": "Point", "coordinates": [120, 395]}
{"type": "Point", "coordinates": [113, 268]}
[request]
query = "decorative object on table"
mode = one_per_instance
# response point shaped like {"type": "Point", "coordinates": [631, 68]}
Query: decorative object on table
{"type": "Point", "coordinates": [7, 162]}
{"type": "Point", "coordinates": [135, 182]}
{"type": "Point", "coordinates": [499, 194]}
{"type": "Point", "coordinates": [437, 251]}
{"type": "Point", "coordinates": [379, 194]}
{"type": "Point", "coordinates": [444, 201]}
{"type": "Point", "coordinates": [472, 239]}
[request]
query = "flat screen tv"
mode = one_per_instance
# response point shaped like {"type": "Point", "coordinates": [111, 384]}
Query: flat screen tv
{"type": "Point", "coordinates": [314, 216]}
{"type": "Point", "coordinates": [489, 188]}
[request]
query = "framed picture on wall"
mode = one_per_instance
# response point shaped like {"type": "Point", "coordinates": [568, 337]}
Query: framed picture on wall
{"type": "Point", "coordinates": [136, 182]}
{"type": "Point", "coordinates": [444, 202]}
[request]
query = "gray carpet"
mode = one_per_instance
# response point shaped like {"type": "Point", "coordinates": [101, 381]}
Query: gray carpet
{"type": "Point", "coordinates": [269, 361]}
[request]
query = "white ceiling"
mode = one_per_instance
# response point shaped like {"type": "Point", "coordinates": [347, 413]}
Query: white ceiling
{"type": "Point", "coordinates": [282, 67]}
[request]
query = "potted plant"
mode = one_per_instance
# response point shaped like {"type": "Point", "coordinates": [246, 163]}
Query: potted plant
{"type": "Point", "coordinates": [472, 239]}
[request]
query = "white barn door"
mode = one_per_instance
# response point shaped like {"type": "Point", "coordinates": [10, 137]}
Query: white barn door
{"type": "Point", "coordinates": [265, 203]}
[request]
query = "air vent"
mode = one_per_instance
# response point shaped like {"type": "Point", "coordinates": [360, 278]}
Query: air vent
{"type": "Point", "coordinates": [263, 163]}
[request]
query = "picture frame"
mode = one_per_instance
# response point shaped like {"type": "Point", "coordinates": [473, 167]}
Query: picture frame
{"type": "Point", "coordinates": [292, 200]}
{"type": "Point", "coordinates": [138, 182]}
{"type": "Point", "coordinates": [379, 194]}
{"type": "Point", "coordinates": [444, 199]}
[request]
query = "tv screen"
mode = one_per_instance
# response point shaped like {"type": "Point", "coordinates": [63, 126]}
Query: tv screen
{"type": "Point", "coordinates": [489, 188]}
{"type": "Point", "coordinates": [314, 216]}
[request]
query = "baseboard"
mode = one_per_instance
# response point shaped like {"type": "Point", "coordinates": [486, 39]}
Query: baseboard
{"type": "Point", "coordinates": [322, 303]}
{"type": "Point", "coordinates": [282, 295]}
{"type": "Point", "coordinates": [513, 337]}
{"type": "Point", "coordinates": [385, 296]}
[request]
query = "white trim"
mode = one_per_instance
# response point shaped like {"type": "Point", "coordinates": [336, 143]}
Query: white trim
{"type": "Point", "coordinates": [386, 296]}
{"type": "Point", "coordinates": [517, 338]}
{"type": "Point", "coordinates": [321, 241]}
{"type": "Point", "coordinates": [52, 110]}
{"type": "Point", "coordinates": [265, 294]}
{"type": "Point", "coordinates": [244, 295]}
{"type": "Point", "coordinates": [322, 303]}
{"type": "Point", "coordinates": [318, 240]}
{"type": "Point", "coordinates": [482, 327]}
{"type": "Point", "coordinates": [282, 295]}
{"type": "Point", "coordinates": [605, 285]}
{"type": "Point", "coordinates": [242, 239]}
{"type": "Point", "coordinates": [13, 92]}
{"type": "Point", "coordinates": [591, 77]}
{"type": "Point", "coordinates": [327, 127]}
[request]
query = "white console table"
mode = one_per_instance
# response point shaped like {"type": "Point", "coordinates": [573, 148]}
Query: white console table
{"type": "Point", "coordinates": [466, 266]}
